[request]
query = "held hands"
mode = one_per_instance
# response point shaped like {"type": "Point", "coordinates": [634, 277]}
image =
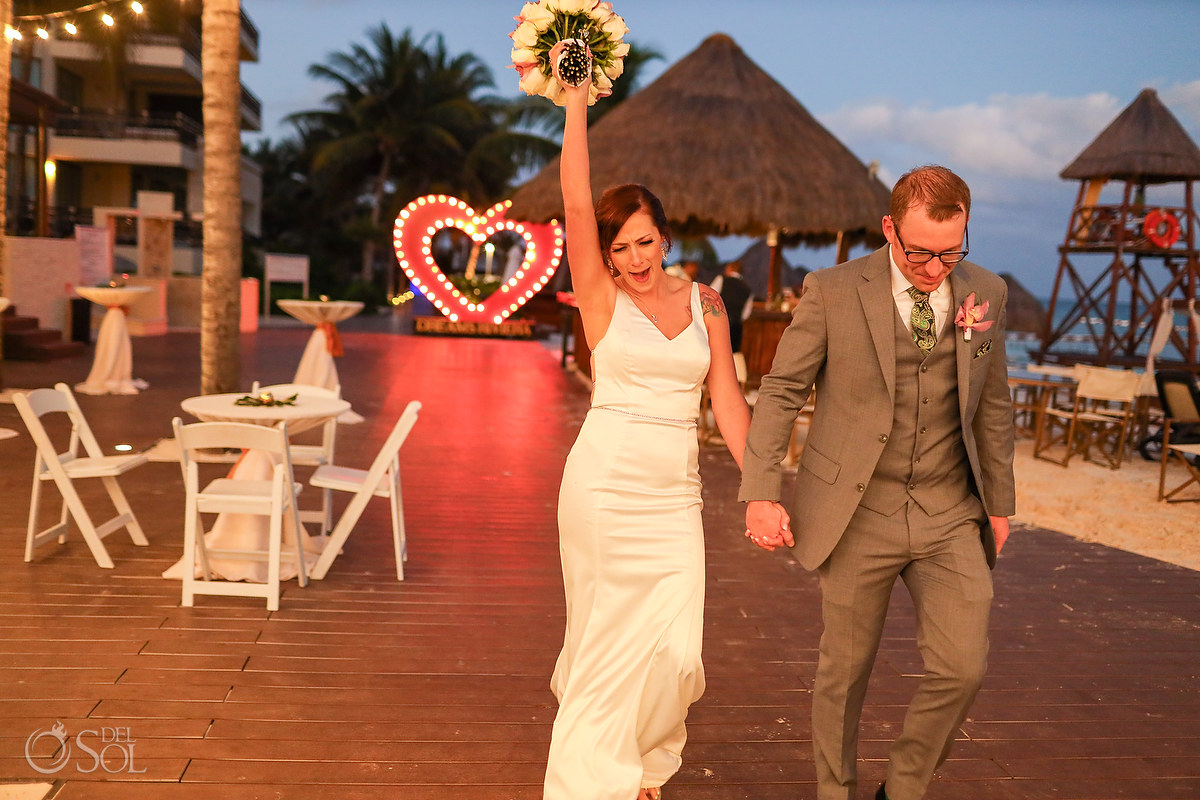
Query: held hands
{"type": "Point", "coordinates": [768, 524]}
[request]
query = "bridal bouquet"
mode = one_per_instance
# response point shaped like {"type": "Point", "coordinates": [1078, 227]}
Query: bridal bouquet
{"type": "Point", "coordinates": [586, 25]}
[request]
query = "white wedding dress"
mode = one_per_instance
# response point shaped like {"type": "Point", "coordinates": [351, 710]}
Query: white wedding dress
{"type": "Point", "coordinates": [632, 546]}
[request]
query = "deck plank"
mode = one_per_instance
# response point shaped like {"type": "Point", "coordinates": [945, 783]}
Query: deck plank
{"type": "Point", "coordinates": [360, 686]}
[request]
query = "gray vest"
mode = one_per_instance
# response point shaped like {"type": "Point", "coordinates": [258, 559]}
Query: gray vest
{"type": "Point", "coordinates": [924, 457]}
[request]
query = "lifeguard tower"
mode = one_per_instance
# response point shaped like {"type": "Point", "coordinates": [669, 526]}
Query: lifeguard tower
{"type": "Point", "coordinates": [1126, 260]}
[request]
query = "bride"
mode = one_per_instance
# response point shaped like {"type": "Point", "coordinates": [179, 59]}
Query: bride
{"type": "Point", "coordinates": [630, 531]}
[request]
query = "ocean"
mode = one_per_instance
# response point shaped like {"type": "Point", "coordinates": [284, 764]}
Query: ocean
{"type": "Point", "coordinates": [1079, 340]}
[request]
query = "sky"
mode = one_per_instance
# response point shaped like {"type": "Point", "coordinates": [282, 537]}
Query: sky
{"type": "Point", "coordinates": [1005, 92]}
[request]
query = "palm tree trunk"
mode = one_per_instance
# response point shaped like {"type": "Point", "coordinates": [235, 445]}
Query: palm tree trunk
{"type": "Point", "coordinates": [369, 246]}
{"type": "Point", "coordinates": [220, 295]}
{"type": "Point", "coordinates": [5, 78]}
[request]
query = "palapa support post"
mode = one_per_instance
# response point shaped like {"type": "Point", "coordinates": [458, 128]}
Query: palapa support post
{"type": "Point", "coordinates": [773, 277]}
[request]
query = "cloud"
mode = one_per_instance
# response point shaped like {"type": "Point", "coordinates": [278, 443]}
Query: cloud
{"type": "Point", "coordinates": [1010, 149]}
{"type": "Point", "coordinates": [1008, 136]}
{"type": "Point", "coordinates": [1183, 99]}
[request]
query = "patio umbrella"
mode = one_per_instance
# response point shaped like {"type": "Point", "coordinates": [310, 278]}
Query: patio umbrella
{"type": "Point", "coordinates": [729, 152]}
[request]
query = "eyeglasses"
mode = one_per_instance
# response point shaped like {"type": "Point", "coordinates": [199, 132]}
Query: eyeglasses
{"type": "Point", "coordinates": [947, 257]}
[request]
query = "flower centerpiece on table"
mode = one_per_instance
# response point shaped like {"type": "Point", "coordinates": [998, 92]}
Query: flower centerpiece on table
{"type": "Point", "coordinates": [589, 24]}
{"type": "Point", "coordinates": [264, 399]}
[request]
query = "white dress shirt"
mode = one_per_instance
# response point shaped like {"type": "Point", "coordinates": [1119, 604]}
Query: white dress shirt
{"type": "Point", "coordinates": [940, 299]}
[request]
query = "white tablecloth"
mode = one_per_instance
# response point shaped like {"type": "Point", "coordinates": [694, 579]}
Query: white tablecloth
{"type": "Point", "coordinates": [248, 531]}
{"type": "Point", "coordinates": [112, 369]}
{"type": "Point", "coordinates": [317, 367]}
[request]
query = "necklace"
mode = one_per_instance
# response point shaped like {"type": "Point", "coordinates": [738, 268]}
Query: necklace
{"type": "Point", "coordinates": [643, 309]}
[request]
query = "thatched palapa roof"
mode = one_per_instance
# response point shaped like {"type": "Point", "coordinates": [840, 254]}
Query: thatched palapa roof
{"type": "Point", "coordinates": [728, 151]}
{"type": "Point", "coordinates": [1144, 144]}
{"type": "Point", "coordinates": [1024, 312]}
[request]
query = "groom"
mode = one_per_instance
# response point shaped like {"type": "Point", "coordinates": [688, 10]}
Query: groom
{"type": "Point", "coordinates": [906, 471]}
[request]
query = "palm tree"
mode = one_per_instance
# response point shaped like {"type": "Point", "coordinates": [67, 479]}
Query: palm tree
{"type": "Point", "coordinates": [407, 118]}
{"type": "Point", "coordinates": [5, 77]}
{"type": "Point", "coordinates": [220, 314]}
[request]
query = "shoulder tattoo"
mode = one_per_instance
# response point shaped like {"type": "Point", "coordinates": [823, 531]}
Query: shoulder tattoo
{"type": "Point", "coordinates": [710, 302]}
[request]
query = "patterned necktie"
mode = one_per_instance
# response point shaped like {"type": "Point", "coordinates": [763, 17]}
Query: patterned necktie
{"type": "Point", "coordinates": [922, 319]}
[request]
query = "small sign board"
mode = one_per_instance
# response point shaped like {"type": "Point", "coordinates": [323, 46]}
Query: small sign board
{"type": "Point", "coordinates": [95, 255]}
{"type": "Point", "coordinates": [283, 268]}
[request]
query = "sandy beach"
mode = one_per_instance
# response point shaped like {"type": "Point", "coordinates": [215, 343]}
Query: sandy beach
{"type": "Point", "coordinates": [1118, 508]}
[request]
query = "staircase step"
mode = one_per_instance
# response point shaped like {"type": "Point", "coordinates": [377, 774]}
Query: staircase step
{"type": "Point", "coordinates": [13, 322]}
{"type": "Point", "coordinates": [39, 345]}
{"type": "Point", "coordinates": [32, 338]}
{"type": "Point", "coordinates": [24, 340]}
{"type": "Point", "coordinates": [56, 350]}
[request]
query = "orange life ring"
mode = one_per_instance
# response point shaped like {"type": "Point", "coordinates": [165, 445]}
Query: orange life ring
{"type": "Point", "coordinates": [1161, 228]}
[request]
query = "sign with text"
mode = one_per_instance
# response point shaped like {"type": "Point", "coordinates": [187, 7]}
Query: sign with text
{"type": "Point", "coordinates": [95, 255]}
{"type": "Point", "coordinates": [509, 329]}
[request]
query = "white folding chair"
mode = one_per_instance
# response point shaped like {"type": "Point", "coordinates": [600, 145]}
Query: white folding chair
{"type": "Point", "coordinates": [311, 455]}
{"type": "Point", "coordinates": [64, 468]}
{"type": "Point", "coordinates": [268, 498]}
{"type": "Point", "coordinates": [382, 479]}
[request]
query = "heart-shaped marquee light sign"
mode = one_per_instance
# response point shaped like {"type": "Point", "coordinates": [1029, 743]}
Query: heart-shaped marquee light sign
{"type": "Point", "coordinates": [413, 236]}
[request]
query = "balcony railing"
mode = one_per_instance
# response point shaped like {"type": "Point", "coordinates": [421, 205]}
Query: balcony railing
{"type": "Point", "coordinates": [249, 29]}
{"type": "Point", "coordinates": [21, 221]}
{"type": "Point", "coordinates": [114, 125]}
{"type": "Point", "coordinates": [251, 102]}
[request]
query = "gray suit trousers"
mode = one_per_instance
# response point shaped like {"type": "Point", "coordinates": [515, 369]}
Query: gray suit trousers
{"type": "Point", "coordinates": [942, 563]}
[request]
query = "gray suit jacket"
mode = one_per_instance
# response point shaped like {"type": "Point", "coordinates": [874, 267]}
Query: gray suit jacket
{"type": "Point", "coordinates": [842, 339]}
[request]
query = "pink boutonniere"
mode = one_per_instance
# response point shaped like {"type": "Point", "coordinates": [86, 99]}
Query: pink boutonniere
{"type": "Point", "coordinates": [970, 317]}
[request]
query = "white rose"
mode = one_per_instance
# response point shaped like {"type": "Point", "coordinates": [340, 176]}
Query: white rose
{"type": "Point", "coordinates": [534, 82]}
{"type": "Point", "coordinates": [523, 55]}
{"type": "Point", "coordinates": [602, 13]}
{"type": "Point", "coordinates": [621, 50]}
{"type": "Point", "coordinates": [615, 69]}
{"type": "Point", "coordinates": [615, 28]}
{"type": "Point", "coordinates": [603, 82]}
{"type": "Point", "coordinates": [525, 36]}
{"type": "Point", "coordinates": [571, 6]}
{"type": "Point", "coordinates": [555, 94]}
{"type": "Point", "coordinates": [539, 15]}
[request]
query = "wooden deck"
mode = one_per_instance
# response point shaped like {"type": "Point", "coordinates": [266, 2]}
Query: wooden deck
{"type": "Point", "coordinates": [361, 687]}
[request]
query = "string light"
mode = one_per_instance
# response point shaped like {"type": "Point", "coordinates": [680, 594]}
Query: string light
{"type": "Point", "coordinates": [42, 23]}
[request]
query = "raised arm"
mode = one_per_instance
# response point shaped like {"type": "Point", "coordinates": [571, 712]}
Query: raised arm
{"type": "Point", "coordinates": [594, 288]}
